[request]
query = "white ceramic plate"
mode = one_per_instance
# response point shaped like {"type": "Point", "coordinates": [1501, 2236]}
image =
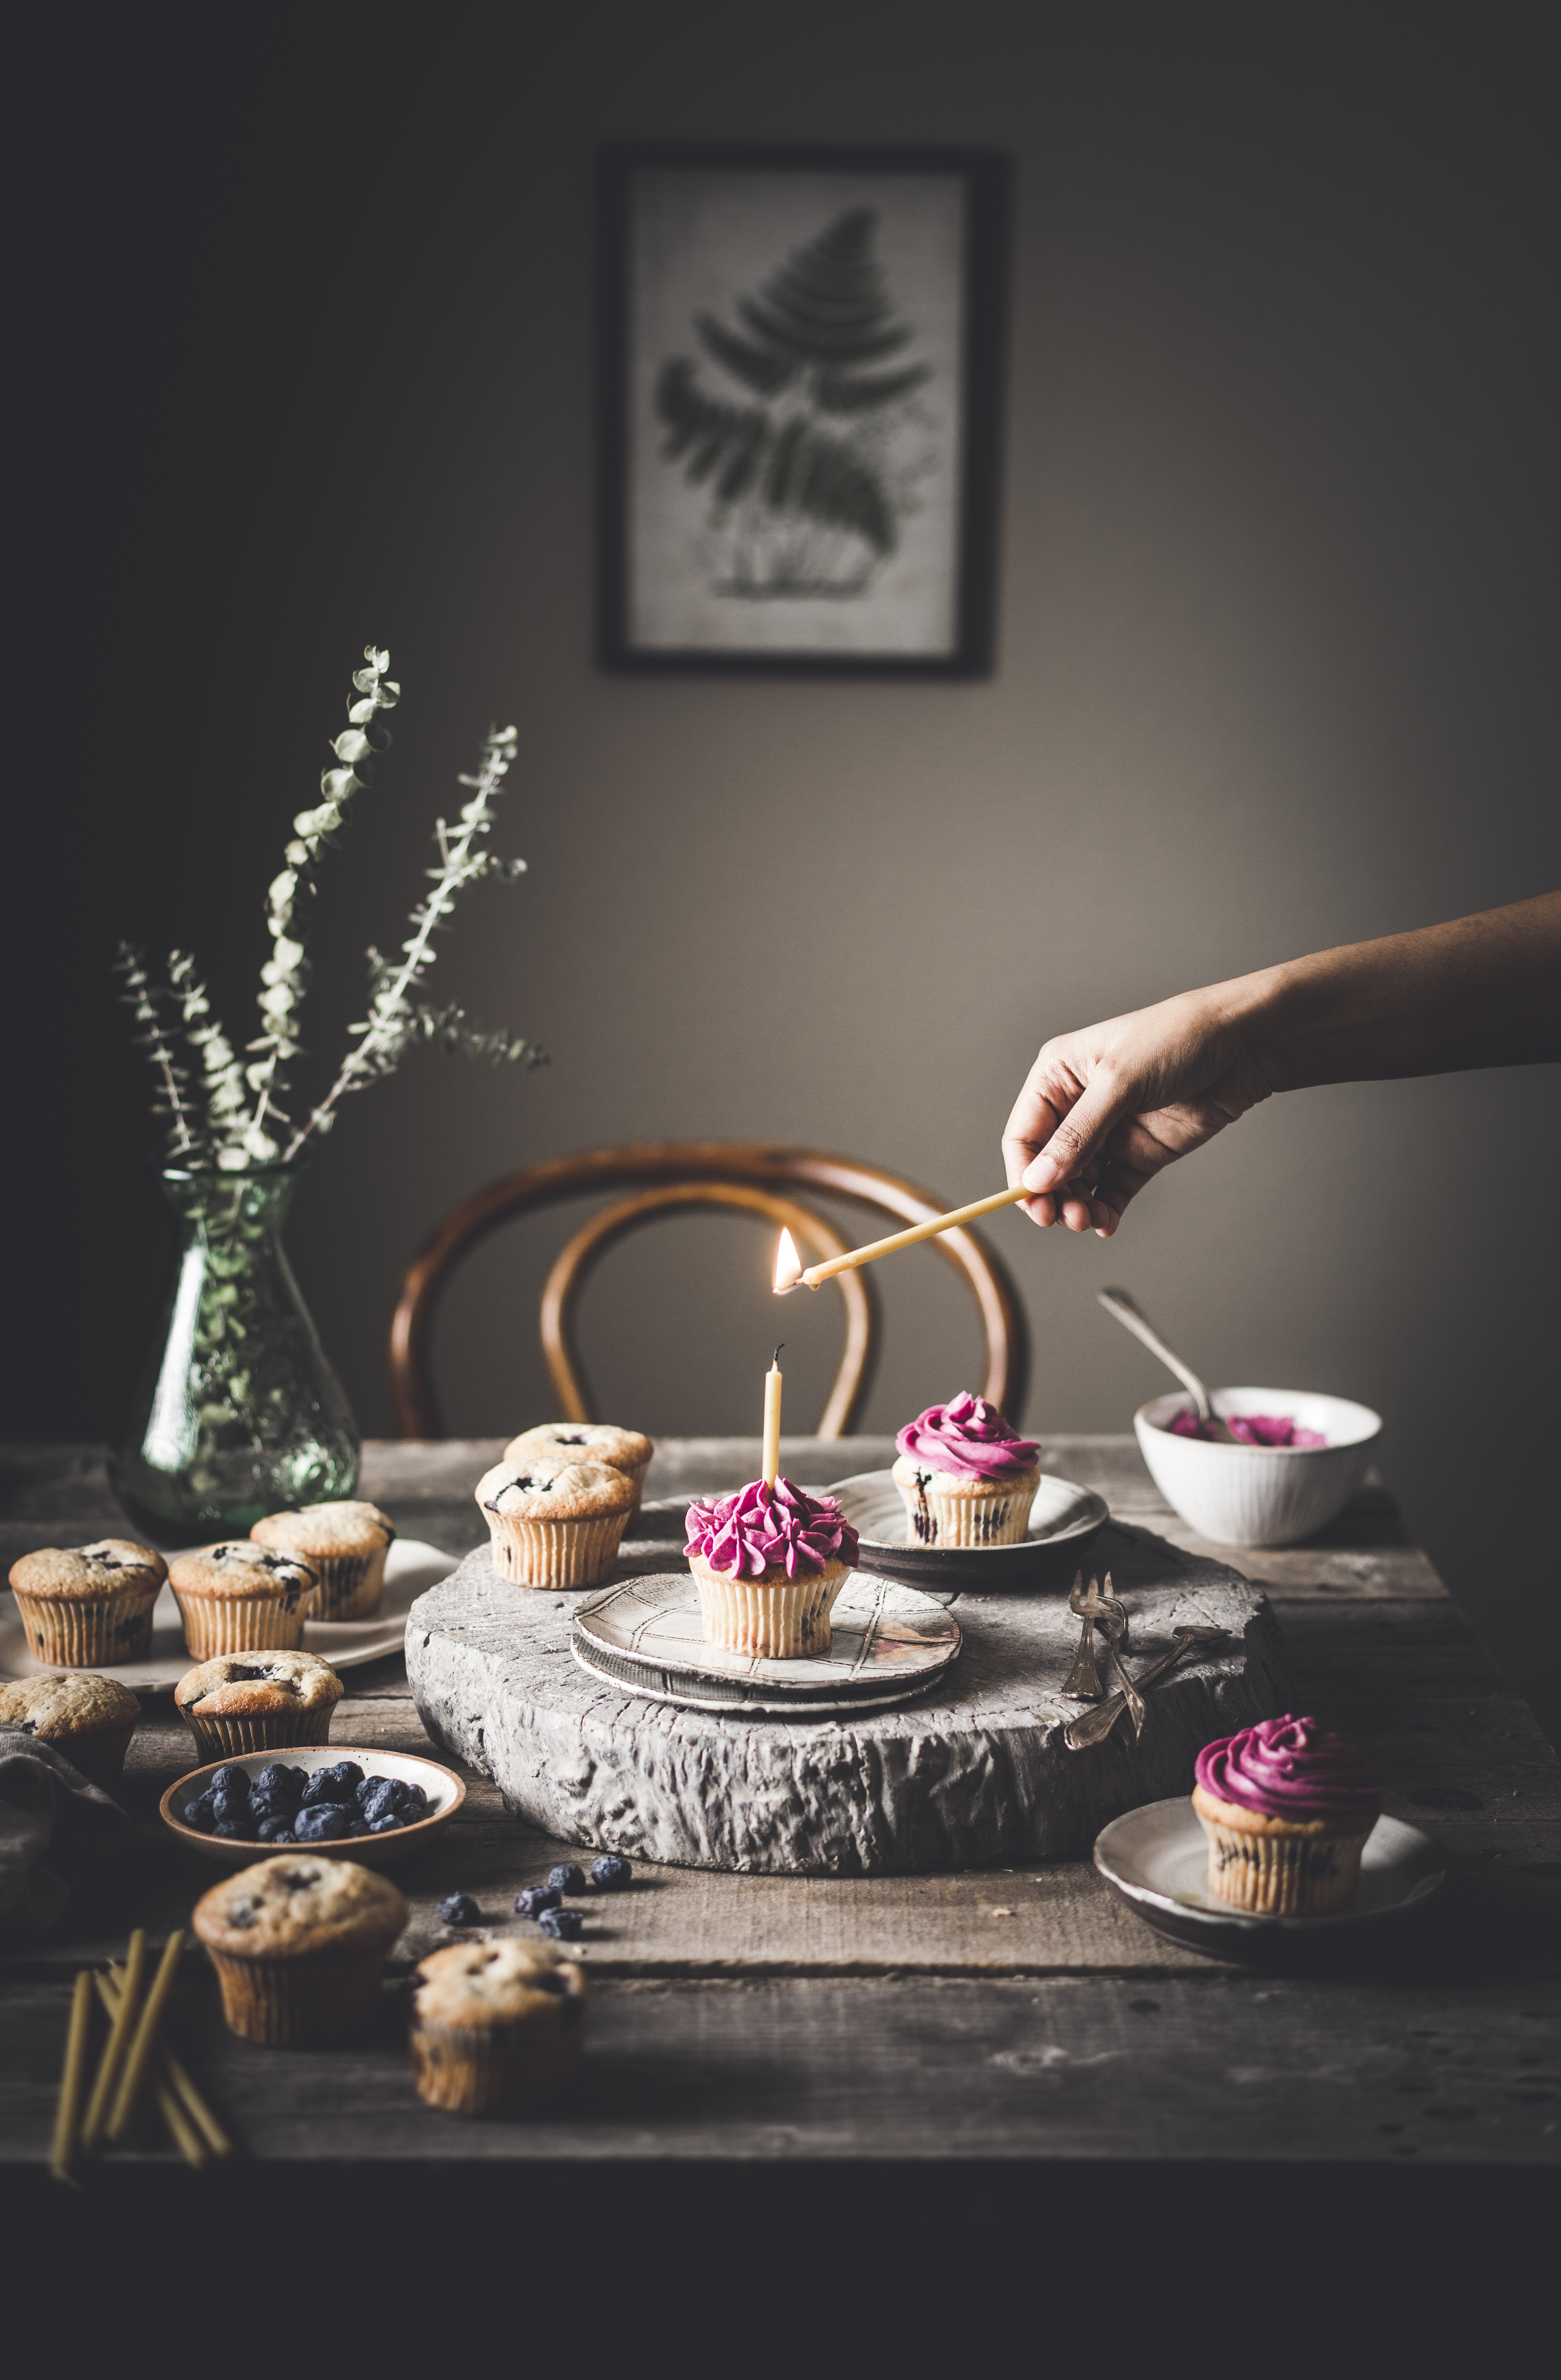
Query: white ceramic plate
{"type": "Point", "coordinates": [443, 1788]}
{"type": "Point", "coordinates": [887, 1643]}
{"type": "Point", "coordinates": [1156, 1858]}
{"type": "Point", "coordinates": [1062, 1520]}
{"type": "Point", "coordinates": [411, 1566]}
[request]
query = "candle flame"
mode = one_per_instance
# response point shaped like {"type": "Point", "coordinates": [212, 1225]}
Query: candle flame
{"type": "Point", "coordinates": [788, 1265]}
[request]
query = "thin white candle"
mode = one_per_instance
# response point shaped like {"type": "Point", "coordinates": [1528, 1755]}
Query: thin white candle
{"type": "Point", "coordinates": [789, 1274]}
{"type": "Point", "coordinates": [771, 1471]}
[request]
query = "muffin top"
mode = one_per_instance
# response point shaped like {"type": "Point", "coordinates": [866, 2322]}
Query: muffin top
{"type": "Point", "coordinates": [295, 1907]}
{"type": "Point", "coordinates": [239, 1685]}
{"type": "Point", "coordinates": [581, 1442]}
{"type": "Point", "coordinates": [326, 1529]}
{"type": "Point", "coordinates": [239, 1567]}
{"type": "Point", "coordinates": [543, 1488]}
{"type": "Point", "coordinates": [500, 1983]}
{"type": "Point", "coordinates": [53, 1707]}
{"type": "Point", "coordinates": [90, 1573]}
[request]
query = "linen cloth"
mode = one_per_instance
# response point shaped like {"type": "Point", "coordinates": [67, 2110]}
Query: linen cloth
{"type": "Point", "coordinates": [52, 1824]}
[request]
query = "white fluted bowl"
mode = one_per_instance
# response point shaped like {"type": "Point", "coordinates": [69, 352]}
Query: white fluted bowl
{"type": "Point", "coordinates": [1259, 1495]}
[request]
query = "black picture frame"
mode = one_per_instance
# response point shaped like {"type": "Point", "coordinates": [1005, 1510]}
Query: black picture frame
{"type": "Point", "coordinates": [661, 615]}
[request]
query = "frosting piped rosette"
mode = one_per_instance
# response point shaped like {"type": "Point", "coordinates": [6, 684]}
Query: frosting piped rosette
{"type": "Point", "coordinates": [1286, 1807]}
{"type": "Point", "coordinates": [965, 1475]}
{"type": "Point", "coordinates": [769, 1563]}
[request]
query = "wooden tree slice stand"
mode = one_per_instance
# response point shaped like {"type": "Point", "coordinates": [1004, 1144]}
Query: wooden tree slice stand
{"type": "Point", "coordinates": [972, 1774]}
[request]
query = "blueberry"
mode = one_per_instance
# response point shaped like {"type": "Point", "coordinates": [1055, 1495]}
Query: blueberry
{"type": "Point", "coordinates": [199, 1813]}
{"type": "Point", "coordinates": [277, 1831]}
{"type": "Point", "coordinates": [540, 1897]}
{"type": "Point", "coordinates": [460, 1908]}
{"type": "Point", "coordinates": [229, 1779]}
{"type": "Point", "coordinates": [610, 1874]}
{"type": "Point", "coordinates": [322, 1822]}
{"type": "Point", "coordinates": [282, 1785]}
{"type": "Point", "coordinates": [384, 1826]}
{"type": "Point", "coordinates": [360, 1826]}
{"type": "Point", "coordinates": [568, 1879]}
{"type": "Point", "coordinates": [413, 1795]}
{"type": "Point", "coordinates": [232, 1806]}
{"type": "Point", "coordinates": [347, 1775]}
{"type": "Point", "coordinates": [229, 1832]}
{"type": "Point", "coordinates": [318, 1789]}
{"type": "Point", "coordinates": [377, 1798]}
{"type": "Point", "coordinates": [564, 1924]}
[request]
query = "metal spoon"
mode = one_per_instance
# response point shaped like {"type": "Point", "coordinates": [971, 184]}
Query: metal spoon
{"type": "Point", "coordinates": [1093, 1726]}
{"type": "Point", "coordinates": [1117, 1302]}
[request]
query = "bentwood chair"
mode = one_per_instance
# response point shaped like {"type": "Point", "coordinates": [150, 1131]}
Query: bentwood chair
{"type": "Point", "coordinates": [665, 1177]}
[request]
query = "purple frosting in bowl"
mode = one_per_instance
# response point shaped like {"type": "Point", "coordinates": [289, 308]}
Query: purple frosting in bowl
{"type": "Point", "coordinates": [1249, 1429]}
{"type": "Point", "coordinates": [1290, 1768]}
{"type": "Point", "coordinates": [763, 1528]}
{"type": "Point", "coordinates": [967, 1435]}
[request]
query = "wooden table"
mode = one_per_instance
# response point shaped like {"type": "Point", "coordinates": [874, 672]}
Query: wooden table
{"type": "Point", "coordinates": [1008, 2016]}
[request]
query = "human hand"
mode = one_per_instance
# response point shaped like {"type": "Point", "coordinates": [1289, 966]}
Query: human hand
{"type": "Point", "coordinates": [1104, 1110]}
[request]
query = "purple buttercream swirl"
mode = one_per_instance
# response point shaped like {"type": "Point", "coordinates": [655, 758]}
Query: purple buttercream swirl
{"type": "Point", "coordinates": [1286, 1767]}
{"type": "Point", "coordinates": [1251, 1430]}
{"type": "Point", "coordinates": [762, 1529]}
{"type": "Point", "coordinates": [968, 1435]}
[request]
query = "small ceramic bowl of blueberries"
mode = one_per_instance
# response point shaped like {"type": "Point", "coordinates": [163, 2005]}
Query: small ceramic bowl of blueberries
{"type": "Point", "coordinates": [342, 1801]}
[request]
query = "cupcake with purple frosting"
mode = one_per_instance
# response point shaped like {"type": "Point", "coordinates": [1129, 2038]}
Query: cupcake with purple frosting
{"type": "Point", "coordinates": [769, 1563]}
{"type": "Point", "coordinates": [966, 1475]}
{"type": "Point", "coordinates": [1286, 1808]}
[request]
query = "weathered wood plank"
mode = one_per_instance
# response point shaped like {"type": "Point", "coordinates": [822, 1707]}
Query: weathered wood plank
{"type": "Point", "coordinates": [1211, 2066]}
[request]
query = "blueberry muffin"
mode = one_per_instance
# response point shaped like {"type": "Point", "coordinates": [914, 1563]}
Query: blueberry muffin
{"type": "Point", "coordinates": [628, 1450]}
{"type": "Point", "coordinates": [300, 1946]}
{"type": "Point", "coordinates": [344, 1544]}
{"type": "Point", "coordinates": [769, 1564]}
{"type": "Point", "coordinates": [248, 1702]}
{"type": "Point", "coordinates": [555, 1524]}
{"type": "Point", "coordinates": [88, 1720]}
{"type": "Point", "coordinates": [241, 1598]}
{"type": "Point", "coordinates": [965, 1476]}
{"type": "Point", "coordinates": [497, 2027]}
{"type": "Point", "coordinates": [90, 1604]}
{"type": "Point", "coordinates": [1285, 1808]}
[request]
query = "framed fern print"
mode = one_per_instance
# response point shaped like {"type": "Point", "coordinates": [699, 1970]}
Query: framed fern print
{"type": "Point", "coordinates": [800, 402]}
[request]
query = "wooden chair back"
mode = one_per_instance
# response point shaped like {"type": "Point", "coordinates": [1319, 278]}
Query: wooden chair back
{"type": "Point", "coordinates": [671, 1176]}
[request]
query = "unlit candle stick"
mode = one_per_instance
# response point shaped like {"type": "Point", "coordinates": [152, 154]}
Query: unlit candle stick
{"type": "Point", "coordinates": [146, 2034]}
{"type": "Point", "coordinates": [789, 1274]}
{"type": "Point", "coordinates": [177, 2116]}
{"type": "Point", "coordinates": [73, 2080]}
{"type": "Point", "coordinates": [114, 2048]}
{"type": "Point", "coordinates": [770, 1470]}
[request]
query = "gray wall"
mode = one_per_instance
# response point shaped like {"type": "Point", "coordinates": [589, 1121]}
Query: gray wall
{"type": "Point", "coordinates": [1277, 629]}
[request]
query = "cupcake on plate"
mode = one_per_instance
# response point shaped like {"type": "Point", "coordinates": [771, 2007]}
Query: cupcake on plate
{"type": "Point", "coordinates": [497, 2027]}
{"type": "Point", "coordinates": [241, 1598]}
{"type": "Point", "coordinates": [344, 1544]}
{"type": "Point", "coordinates": [555, 1524]}
{"type": "Point", "coordinates": [769, 1563]}
{"type": "Point", "coordinates": [250, 1702]}
{"type": "Point", "coordinates": [300, 1946]}
{"type": "Point", "coordinates": [88, 1720]}
{"type": "Point", "coordinates": [628, 1450]}
{"type": "Point", "coordinates": [90, 1604]}
{"type": "Point", "coordinates": [965, 1475]}
{"type": "Point", "coordinates": [1286, 1808]}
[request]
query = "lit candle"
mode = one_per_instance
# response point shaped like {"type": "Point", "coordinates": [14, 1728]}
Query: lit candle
{"type": "Point", "coordinates": [789, 1274]}
{"type": "Point", "coordinates": [772, 1421]}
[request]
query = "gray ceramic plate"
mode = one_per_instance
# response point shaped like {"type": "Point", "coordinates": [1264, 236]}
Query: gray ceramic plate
{"type": "Point", "coordinates": [888, 1643]}
{"type": "Point", "coordinates": [1063, 1518]}
{"type": "Point", "coordinates": [1156, 1858]}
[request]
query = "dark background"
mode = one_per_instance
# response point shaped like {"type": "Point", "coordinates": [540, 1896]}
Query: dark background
{"type": "Point", "coordinates": [306, 359]}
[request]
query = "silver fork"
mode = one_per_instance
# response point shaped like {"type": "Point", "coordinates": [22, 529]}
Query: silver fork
{"type": "Point", "coordinates": [1093, 1727]}
{"type": "Point", "coordinates": [1084, 1678]}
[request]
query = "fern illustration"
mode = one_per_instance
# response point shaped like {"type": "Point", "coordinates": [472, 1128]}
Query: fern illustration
{"type": "Point", "coordinates": [805, 498]}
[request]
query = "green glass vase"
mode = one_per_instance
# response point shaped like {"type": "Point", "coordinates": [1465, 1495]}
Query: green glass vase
{"type": "Point", "coordinates": [238, 1412]}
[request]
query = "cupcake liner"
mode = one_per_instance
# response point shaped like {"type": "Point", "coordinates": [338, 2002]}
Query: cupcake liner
{"type": "Point", "coordinates": [495, 2069]}
{"type": "Point", "coordinates": [779, 1620]}
{"type": "Point", "coordinates": [295, 2003]}
{"type": "Point", "coordinates": [241, 1623]}
{"type": "Point", "coordinates": [350, 1585]}
{"type": "Point", "coordinates": [637, 1471]}
{"type": "Point", "coordinates": [99, 1756]}
{"type": "Point", "coordinates": [557, 1553]}
{"type": "Point", "coordinates": [1283, 1875]}
{"type": "Point", "coordinates": [231, 1735]}
{"type": "Point", "coordinates": [71, 1633]}
{"type": "Point", "coordinates": [994, 1514]}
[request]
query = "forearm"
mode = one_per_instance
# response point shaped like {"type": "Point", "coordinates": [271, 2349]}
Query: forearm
{"type": "Point", "coordinates": [1477, 992]}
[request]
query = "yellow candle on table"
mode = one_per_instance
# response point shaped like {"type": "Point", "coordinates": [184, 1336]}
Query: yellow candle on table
{"type": "Point", "coordinates": [789, 1275]}
{"type": "Point", "coordinates": [772, 1467]}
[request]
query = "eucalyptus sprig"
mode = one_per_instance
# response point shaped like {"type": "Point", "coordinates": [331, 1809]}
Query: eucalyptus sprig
{"type": "Point", "coordinates": [207, 1094]}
